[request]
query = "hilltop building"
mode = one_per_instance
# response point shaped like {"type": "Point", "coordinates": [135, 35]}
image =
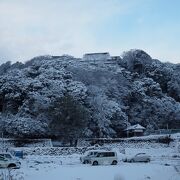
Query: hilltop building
{"type": "Point", "coordinates": [96, 56]}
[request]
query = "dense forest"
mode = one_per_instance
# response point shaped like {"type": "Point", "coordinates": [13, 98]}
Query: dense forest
{"type": "Point", "coordinates": [68, 97]}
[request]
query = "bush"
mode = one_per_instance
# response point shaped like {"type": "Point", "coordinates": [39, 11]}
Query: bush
{"type": "Point", "coordinates": [165, 140]}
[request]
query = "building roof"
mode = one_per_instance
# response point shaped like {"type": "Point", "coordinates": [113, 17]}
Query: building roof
{"type": "Point", "coordinates": [134, 127]}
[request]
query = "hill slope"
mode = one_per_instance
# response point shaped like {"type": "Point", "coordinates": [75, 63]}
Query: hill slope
{"type": "Point", "coordinates": [95, 96]}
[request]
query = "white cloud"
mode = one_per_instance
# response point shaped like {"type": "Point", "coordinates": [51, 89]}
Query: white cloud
{"type": "Point", "coordinates": [30, 28]}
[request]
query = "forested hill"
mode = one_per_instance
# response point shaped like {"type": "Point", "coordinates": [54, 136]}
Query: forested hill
{"type": "Point", "coordinates": [96, 96]}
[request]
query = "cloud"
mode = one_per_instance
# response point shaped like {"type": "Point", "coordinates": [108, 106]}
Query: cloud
{"type": "Point", "coordinates": [30, 28]}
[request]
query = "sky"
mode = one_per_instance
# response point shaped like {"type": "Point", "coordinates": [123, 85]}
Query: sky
{"type": "Point", "coordinates": [30, 28]}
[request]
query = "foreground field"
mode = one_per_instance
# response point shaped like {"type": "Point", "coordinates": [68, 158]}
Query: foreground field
{"type": "Point", "coordinates": [121, 172]}
{"type": "Point", "coordinates": [162, 166]}
{"type": "Point", "coordinates": [51, 164]}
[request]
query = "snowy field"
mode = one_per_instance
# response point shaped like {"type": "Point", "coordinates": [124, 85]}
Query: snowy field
{"type": "Point", "coordinates": [61, 165]}
{"type": "Point", "coordinates": [164, 165]}
{"type": "Point", "coordinates": [123, 171]}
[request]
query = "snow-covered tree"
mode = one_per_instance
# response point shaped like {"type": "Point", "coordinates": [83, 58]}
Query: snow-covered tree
{"type": "Point", "coordinates": [68, 118]}
{"type": "Point", "coordinates": [136, 60]}
{"type": "Point", "coordinates": [25, 127]}
{"type": "Point", "coordinates": [136, 89]}
{"type": "Point", "coordinates": [174, 84]}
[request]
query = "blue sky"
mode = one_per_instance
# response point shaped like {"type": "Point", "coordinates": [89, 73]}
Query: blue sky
{"type": "Point", "coordinates": [30, 28]}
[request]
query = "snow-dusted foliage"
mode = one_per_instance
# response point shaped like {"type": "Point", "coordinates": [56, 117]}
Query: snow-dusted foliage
{"type": "Point", "coordinates": [77, 90]}
{"type": "Point", "coordinates": [137, 60]}
{"type": "Point", "coordinates": [68, 118]}
{"type": "Point", "coordinates": [161, 73]}
{"type": "Point", "coordinates": [150, 107]}
{"type": "Point", "coordinates": [25, 127]}
{"type": "Point", "coordinates": [107, 116]}
{"type": "Point", "coordinates": [173, 86]}
{"type": "Point", "coordinates": [145, 87]}
{"type": "Point", "coordinates": [114, 91]}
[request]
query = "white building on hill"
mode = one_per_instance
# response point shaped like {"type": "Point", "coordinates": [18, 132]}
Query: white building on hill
{"type": "Point", "coordinates": [96, 56]}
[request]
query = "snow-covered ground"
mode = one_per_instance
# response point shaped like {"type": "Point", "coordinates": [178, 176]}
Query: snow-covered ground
{"type": "Point", "coordinates": [59, 165]}
{"type": "Point", "coordinates": [123, 171]}
{"type": "Point", "coordinates": [164, 165]}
